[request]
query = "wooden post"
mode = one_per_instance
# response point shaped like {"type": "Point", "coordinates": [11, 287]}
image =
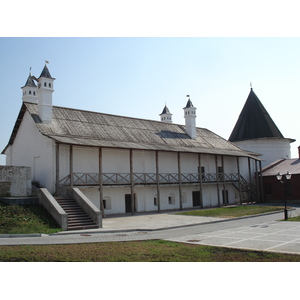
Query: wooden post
{"type": "Point", "coordinates": [225, 200]}
{"type": "Point", "coordinates": [157, 181]}
{"type": "Point", "coordinates": [101, 182]}
{"type": "Point", "coordinates": [257, 181]}
{"type": "Point", "coordinates": [57, 168]}
{"type": "Point", "coordinates": [239, 176]}
{"type": "Point", "coordinates": [179, 179]}
{"type": "Point", "coordinates": [217, 174]}
{"type": "Point", "coordinates": [200, 180]}
{"type": "Point", "coordinates": [71, 167]}
{"type": "Point", "coordinates": [250, 180]}
{"type": "Point", "coordinates": [131, 181]}
{"type": "Point", "coordinates": [261, 184]}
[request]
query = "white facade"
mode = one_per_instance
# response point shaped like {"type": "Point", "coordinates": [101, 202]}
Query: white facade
{"type": "Point", "coordinates": [32, 149]}
{"type": "Point", "coordinates": [162, 172]}
{"type": "Point", "coordinates": [272, 149]}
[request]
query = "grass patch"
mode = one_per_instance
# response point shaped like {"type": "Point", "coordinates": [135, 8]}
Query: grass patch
{"type": "Point", "coordinates": [297, 219]}
{"type": "Point", "coordinates": [137, 251]}
{"type": "Point", "coordinates": [25, 219]}
{"type": "Point", "coordinates": [233, 211]}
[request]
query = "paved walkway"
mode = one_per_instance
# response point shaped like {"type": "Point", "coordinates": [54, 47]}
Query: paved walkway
{"type": "Point", "coordinates": [263, 232]}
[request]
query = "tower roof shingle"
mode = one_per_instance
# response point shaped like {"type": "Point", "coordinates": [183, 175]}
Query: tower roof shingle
{"type": "Point", "coordinates": [254, 122]}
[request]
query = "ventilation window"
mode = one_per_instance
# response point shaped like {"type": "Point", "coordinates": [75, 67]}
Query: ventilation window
{"type": "Point", "coordinates": [171, 199]}
{"type": "Point", "coordinates": [107, 203]}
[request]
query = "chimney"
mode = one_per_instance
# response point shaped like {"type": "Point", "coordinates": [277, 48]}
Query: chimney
{"type": "Point", "coordinates": [45, 90]}
{"type": "Point", "coordinates": [190, 119]}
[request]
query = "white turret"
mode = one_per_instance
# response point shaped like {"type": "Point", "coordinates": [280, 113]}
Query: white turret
{"type": "Point", "coordinates": [190, 119]}
{"type": "Point", "coordinates": [166, 116]}
{"type": "Point", "coordinates": [29, 90]}
{"type": "Point", "coordinates": [45, 90]}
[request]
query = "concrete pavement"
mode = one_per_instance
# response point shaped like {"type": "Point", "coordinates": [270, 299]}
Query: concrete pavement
{"type": "Point", "coordinates": [263, 232]}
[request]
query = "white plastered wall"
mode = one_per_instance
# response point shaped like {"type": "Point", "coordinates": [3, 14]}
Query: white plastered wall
{"type": "Point", "coordinates": [32, 149]}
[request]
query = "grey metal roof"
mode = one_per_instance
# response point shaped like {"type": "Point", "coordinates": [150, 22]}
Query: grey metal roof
{"type": "Point", "coordinates": [189, 104]}
{"type": "Point", "coordinates": [45, 73]}
{"type": "Point", "coordinates": [165, 110]}
{"type": "Point", "coordinates": [30, 81]}
{"type": "Point", "coordinates": [282, 166]}
{"type": "Point", "coordinates": [79, 127]}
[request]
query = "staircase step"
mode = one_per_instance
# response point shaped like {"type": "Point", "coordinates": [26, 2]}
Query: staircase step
{"type": "Point", "coordinates": [77, 218]}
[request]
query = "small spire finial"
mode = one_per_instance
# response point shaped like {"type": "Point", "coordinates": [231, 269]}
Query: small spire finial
{"type": "Point", "coordinates": [46, 62]}
{"type": "Point", "coordinates": [30, 71]}
{"type": "Point", "coordinates": [251, 85]}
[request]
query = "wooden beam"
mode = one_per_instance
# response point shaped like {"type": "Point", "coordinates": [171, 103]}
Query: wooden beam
{"type": "Point", "coordinates": [217, 175]}
{"type": "Point", "coordinates": [179, 179]}
{"type": "Point", "coordinates": [225, 200]}
{"type": "Point", "coordinates": [57, 168]}
{"type": "Point", "coordinates": [157, 180]}
{"type": "Point", "coordinates": [131, 181]}
{"type": "Point", "coordinates": [71, 167]}
{"type": "Point", "coordinates": [200, 179]}
{"type": "Point", "coordinates": [101, 182]}
{"type": "Point", "coordinates": [239, 175]}
{"type": "Point", "coordinates": [261, 183]}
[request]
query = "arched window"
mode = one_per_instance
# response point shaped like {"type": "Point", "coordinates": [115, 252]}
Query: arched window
{"type": "Point", "coordinates": [49, 85]}
{"type": "Point", "coordinates": [29, 92]}
{"type": "Point", "coordinates": [34, 93]}
{"type": "Point", "coordinates": [45, 84]}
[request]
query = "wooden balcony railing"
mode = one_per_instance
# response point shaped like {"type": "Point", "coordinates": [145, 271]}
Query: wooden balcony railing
{"type": "Point", "coordinates": [89, 179]}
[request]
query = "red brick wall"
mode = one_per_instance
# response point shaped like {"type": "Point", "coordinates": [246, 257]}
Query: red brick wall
{"type": "Point", "coordinates": [274, 189]}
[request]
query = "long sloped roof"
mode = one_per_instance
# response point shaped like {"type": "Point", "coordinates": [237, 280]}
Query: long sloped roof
{"type": "Point", "coordinates": [79, 127]}
{"type": "Point", "coordinates": [282, 166]}
{"type": "Point", "coordinates": [254, 122]}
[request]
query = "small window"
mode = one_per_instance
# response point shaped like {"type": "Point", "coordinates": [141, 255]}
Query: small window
{"type": "Point", "coordinates": [45, 84]}
{"type": "Point", "coordinates": [107, 203]}
{"type": "Point", "coordinates": [29, 92]}
{"type": "Point", "coordinates": [34, 93]}
{"type": "Point", "coordinates": [155, 201]}
{"type": "Point", "coordinates": [49, 85]}
{"type": "Point", "coordinates": [171, 199]}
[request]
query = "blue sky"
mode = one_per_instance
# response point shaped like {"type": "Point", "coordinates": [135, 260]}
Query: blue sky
{"type": "Point", "coordinates": [136, 76]}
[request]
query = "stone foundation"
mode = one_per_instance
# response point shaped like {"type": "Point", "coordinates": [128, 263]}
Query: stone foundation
{"type": "Point", "coordinates": [15, 181]}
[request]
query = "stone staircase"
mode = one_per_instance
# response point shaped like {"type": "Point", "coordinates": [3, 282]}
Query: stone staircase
{"type": "Point", "coordinates": [77, 217]}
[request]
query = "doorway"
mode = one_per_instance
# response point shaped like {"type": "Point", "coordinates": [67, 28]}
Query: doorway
{"type": "Point", "coordinates": [128, 203]}
{"type": "Point", "coordinates": [196, 198]}
{"type": "Point", "coordinates": [225, 197]}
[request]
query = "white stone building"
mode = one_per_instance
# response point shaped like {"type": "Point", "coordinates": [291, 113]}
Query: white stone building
{"type": "Point", "coordinates": [127, 164]}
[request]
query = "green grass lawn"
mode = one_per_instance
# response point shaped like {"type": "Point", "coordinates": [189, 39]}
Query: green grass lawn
{"type": "Point", "coordinates": [138, 251]}
{"type": "Point", "coordinates": [24, 219]}
{"type": "Point", "coordinates": [233, 211]}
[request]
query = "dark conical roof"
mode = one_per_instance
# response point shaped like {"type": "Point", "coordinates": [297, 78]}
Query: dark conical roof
{"type": "Point", "coordinates": [46, 73]}
{"type": "Point", "coordinates": [189, 104]}
{"type": "Point", "coordinates": [30, 81]}
{"type": "Point", "coordinates": [165, 110]}
{"type": "Point", "coordinates": [254, 122]}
